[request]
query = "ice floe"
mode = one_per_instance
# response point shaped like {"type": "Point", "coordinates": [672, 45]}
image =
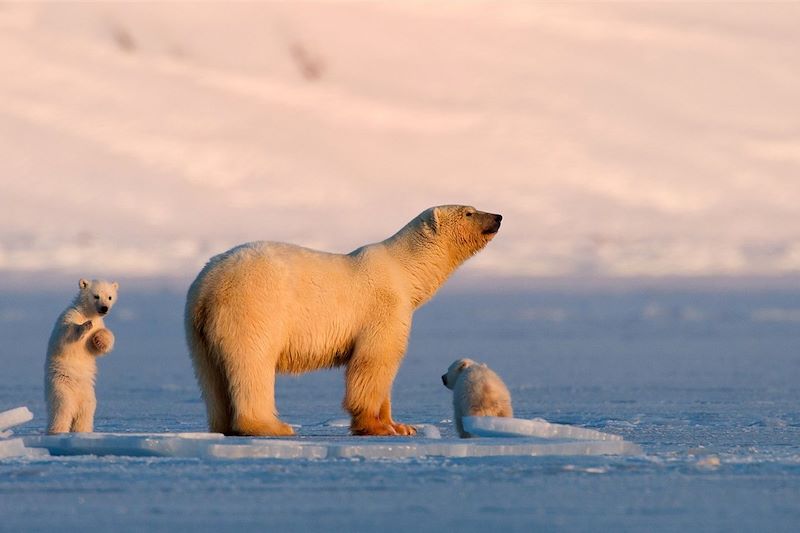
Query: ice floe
{"type": "Point", "coordinates": [493, 426]}
{"type": "Point", "coordinates": [213, 445]}
{"type": "Point", "coordinates": [534, 437]}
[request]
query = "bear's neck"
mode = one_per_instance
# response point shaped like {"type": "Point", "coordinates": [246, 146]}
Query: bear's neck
{"type": "Point", "coordinates": [426, 262]}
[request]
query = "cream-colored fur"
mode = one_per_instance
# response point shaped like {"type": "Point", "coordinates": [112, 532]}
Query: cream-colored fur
{"type": "Point", "coordinates": [78, 338]}
{"type": "Point", "coordinates": [268, 307]}
{"type": "Point", "coordinates": [477, 391]}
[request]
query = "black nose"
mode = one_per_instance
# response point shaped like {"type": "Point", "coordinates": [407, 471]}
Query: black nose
{"type": "Point", "coordinates": [498, 218]}
{"type": "Point", "coordinates": [444, 380]}
{"type": "Point", "coordinates": [104, 309]}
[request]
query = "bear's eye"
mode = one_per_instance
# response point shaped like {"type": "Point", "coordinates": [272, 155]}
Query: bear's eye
{"type": "Point", "coordinates": [109, 298]}
{"type": "Point", "coordinates": [469, 214]}
{"type": "Point", "coordinates": [96, 296]}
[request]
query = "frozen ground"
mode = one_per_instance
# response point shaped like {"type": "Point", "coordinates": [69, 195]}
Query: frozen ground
{"type": "Point", "coordinates": [705, 381]}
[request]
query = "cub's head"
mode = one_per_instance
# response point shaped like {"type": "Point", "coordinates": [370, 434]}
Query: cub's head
{"type": "Point", "coordinates": [454, 371]}
{"type": "Point", "coordinates": [462, 229]}
{"type": "Point", "coordinates": [97, 296]}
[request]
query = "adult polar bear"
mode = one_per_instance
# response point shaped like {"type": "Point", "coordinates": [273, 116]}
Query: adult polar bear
{"type": "Point", "coordinates": [267, 307]}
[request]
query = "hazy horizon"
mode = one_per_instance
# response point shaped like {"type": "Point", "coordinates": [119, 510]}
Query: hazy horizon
{"type": "Point", "coordinates": [619, 141]}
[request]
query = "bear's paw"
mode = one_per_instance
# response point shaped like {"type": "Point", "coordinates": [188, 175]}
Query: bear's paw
{"type": "Point", "coordinates": [101, 342]}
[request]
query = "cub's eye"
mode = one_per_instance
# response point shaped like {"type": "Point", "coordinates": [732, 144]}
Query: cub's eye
{"type": "Point", "coordinates": [469, 214]}
{"type": "Point", "coordinates": [109, 298]}
{"type": "Point", "coordinates": [96, 296]}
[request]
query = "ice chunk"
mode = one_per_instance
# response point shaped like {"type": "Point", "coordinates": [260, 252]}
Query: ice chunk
{"type": "Point", "coordinates": [428, 431]}
{"type": "Point", "coordinates": [17, 448]}
{"type": "Point", "coordinates": [270, 449]}
{"type": "Point", "coordinates": [211, 445]}
{"type": "Point", "coordinates": [12, 448]}
{"type": "Point", "coordinates": [14, 417]}
{"type": "Point", "coordinates": [493, 426]}
{"type": "Point", "coordinates": [127, 444]}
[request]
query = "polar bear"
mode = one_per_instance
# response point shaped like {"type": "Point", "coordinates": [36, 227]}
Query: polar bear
{"type": "Point", "coordinates": [265, 307]}
{"type": "Point", "coordinates": [477, 391]}
{"type": "Point", "coordinates": [78, 337]}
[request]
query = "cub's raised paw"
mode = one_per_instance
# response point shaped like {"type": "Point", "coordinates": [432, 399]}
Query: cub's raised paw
{"type": "Point", "coordinates": [101, 342]}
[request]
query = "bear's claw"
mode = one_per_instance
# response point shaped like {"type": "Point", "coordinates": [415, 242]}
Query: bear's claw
{"type": "Point", "coordinates": [404, 429]}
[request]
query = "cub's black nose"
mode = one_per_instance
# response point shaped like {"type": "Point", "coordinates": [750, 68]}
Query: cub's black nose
{"type": "Point", "coordinates": [104, 309]}
{"type": "Point", "coordinates": [444, 380]}
{"type": "Point", "coordinates": [498, 218]}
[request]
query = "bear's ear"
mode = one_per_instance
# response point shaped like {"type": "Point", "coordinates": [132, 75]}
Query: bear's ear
{"type": "Point", "coordinates": [115, 285]}
{"type": "Point", "coordinates": [82, 284]}
{"type": "Point", "coordinates": [435, 219]}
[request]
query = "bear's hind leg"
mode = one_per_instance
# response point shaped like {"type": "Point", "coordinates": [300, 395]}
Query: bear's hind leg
{"type": "Point", "coordinates": [61, 412]}
{"type": "Point", "coordinates": [84, 416]}
{"type": "Point", "coordinates": [251, 384]}
{"type": "Point", "coordinates": [214, 388]}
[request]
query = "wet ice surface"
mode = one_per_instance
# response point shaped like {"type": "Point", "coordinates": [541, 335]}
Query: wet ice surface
{"type": "Point", "coordinates": [705, 382]}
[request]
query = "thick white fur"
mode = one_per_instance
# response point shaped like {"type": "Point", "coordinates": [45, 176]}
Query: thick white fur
{"type": "Point", "coordinates": [477, 391]}
{"type": "Point", "coordinates": [267, 307]}
{"type": "Point", "coordinates": [78, 338]}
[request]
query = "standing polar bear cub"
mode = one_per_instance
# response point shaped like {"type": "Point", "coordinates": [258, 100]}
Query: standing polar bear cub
{"type": "Point", "coordinates": [264, 308]}
{"type": "Point", "coordinates": [78, 337]}
{"type": "Point", "coordinates": [477, 391]}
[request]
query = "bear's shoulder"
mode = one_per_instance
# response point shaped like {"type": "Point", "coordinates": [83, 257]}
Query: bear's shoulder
{"type": "Point", "coordinates": [72, 315]}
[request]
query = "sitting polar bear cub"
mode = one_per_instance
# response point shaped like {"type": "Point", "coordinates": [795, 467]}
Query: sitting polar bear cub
{"type": "Point", "coordinates": [79, 337]}
{"type": "Point", "coordinates": [477, 391]}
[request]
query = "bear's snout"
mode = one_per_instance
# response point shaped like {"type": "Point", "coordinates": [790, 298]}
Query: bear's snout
{"type": "Point", "coordinates": [104, 309]}
{"type": "Point", "coordinates": [492, 223]}
{"type": "Point", "coordinates": [444, 379]}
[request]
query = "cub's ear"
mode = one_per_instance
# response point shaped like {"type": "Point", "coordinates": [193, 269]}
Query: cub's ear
{"type": "Point", "coordinates": [82, 284]}
{"type": "Point", "coordinates": [115, 285]}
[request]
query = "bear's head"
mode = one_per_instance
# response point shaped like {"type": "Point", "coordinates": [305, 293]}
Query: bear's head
{"type": "Point", "coordinates": [96, 297]}
{"type": "Point", "coordinates": [461, 228]}
{"type": "Point", "coordinates": [454, 371]}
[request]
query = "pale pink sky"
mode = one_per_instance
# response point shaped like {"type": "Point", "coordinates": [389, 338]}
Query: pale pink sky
{"type": "Point", "coordinates": [621, 139]}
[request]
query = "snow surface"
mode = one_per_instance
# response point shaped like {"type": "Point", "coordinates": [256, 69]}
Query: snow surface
{"type": "Point", "coordinates": [700, 380]}
{"type": "Point", "coordinates": [618, 139]}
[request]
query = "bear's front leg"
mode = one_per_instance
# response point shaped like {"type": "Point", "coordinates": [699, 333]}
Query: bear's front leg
{"type": "Point", "coordinates": [386, 418]}
{"type": "Point", "coordinates": [369, 378]}
{"type": "Point", "coordinates": [101, 342]}
{"type": "Point", "coordinates": [76, 331]}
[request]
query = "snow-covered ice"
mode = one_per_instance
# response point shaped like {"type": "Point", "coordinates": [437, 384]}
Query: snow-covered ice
{"type": "Point", "coordinates": [211, 445]}
{"type": "Point", "coordinates": [493, 426]}
{"type": "Point", "coordinates": [712, 401]}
